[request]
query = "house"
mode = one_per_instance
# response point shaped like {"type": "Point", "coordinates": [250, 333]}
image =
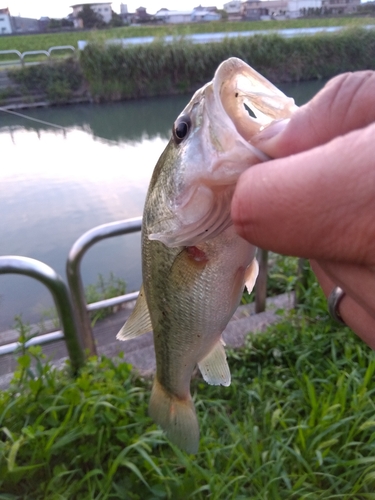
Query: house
{"type": "Point", "coordinates": [5, 22]}
{"type": "Point", "coordinates": [299, 8]}
{"type": "Point", "coordinates": [199, 14]}
{"type": "Point", "coordinates": [24, 24]}
{"type": "Point", "coordinates": [141, 15]}
{"type": "Point", "coordinates": [204, 15]}
{"type": "Point", "coordinates": [340, 6]}
{"type": "Point", "coordinates": [233, 9]}
{"type": "Point", "coordinates": [173, 16]}
{"type": "Point", "coordinates": [102, 9]}
{"type": "Point", "coordinates": [209, 9]}
{"type": "Point", "coordinates": [254, 10]}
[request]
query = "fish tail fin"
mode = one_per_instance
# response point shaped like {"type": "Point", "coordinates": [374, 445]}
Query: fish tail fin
{"type": "Point", "coordinates": [176, 417]}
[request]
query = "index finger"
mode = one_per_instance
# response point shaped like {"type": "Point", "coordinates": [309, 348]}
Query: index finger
{"type": "Point", "coordinates": [346, 103]}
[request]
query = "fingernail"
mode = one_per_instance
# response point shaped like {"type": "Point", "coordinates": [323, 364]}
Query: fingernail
{"type": "Point", "coordinates": [270, 131]}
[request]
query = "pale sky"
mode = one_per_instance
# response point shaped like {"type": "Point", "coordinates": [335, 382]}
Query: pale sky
{"type": "Point", "coordinates": [61, 8]}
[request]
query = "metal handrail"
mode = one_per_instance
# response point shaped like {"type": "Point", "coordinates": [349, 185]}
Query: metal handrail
{"type": "Point", "coordinates": [112, 302]}
{"type": "Point", "coordinates": [33, 52]}
{"type": "Point", "coordinates": [11, 52]}
{"type": "Point", "coordinates": [11, 264]}
{"type": "Point", "coordinates": [75, 312]}
{"type": "Point", "coordinates": [73, 264]}
{"type": "Point", "coordinates": [47, 53]}
{"type": "Point", "coordinates": [61, 47]}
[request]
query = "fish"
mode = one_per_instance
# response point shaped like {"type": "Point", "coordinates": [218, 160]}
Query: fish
{"type": "Point", "coordinates": [194, 265]}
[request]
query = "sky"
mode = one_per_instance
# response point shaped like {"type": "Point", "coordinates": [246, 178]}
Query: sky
{"type": "Point", "coordinates": [61, 8]}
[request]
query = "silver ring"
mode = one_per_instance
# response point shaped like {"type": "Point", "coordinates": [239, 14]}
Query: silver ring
{"type": "Point", "coordinates": [334, 299]}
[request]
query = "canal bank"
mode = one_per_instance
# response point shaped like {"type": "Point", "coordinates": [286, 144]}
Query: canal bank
{"type": "Point", "coordinates": [111, 72]}
{"type": "Point", "coordinates": [14, 96]}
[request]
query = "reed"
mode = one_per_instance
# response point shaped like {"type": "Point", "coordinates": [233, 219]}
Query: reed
{"type": "Point", "coordinates": [112, 72]}
{"type": "Point", "coordinates": [43, 41]}
{"type": "Point", "coordinates": [115, 73]}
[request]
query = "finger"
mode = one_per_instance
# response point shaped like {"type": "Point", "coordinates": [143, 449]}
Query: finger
{"type": "Point", "coordinates": [357, 281]}
{"type": "Point", "coordinates": [319, 204]}
{"type": "Point", "coordinates": [352, 313]}
{"type": "Point", "coordinates": [346, 103]}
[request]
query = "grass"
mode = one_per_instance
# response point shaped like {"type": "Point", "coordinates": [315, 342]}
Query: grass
{"type": "Point", "coordinates": [114, 73]}
{"type": "Point", "coordinates": [104, 289]}
{"type": "Point", "coordinates": [111, 72]}
{"type": "Point", "coordinates": [46, 40]}
{"type": "Point", "coordinates": [298, 422]}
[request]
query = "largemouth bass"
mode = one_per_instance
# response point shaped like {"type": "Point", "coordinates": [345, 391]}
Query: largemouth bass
{"type": "Point", "coordinates": [194, 265]}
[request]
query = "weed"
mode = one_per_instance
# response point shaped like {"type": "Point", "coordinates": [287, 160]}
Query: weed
{"type": "Point", "coordinates": [59, 80]}
{"type": "Point", "coordinates": [114, 72]}
{"type": "Point", "coordinates": [104, 289]}
{"type": "Point", "coordinates": [297, 422]}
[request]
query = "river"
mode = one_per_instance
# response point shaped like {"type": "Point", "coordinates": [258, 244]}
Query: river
{"type": "Point", "coordinates": [58, 182]}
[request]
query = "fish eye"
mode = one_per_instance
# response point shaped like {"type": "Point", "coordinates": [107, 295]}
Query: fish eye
{"type": "Point", "coordinates": [181, 128]}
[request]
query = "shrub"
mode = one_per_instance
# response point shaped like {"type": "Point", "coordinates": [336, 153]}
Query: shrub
{"type": "Point", "coordinates": [114, 72]}
{"type": "Point", "coordinates": [57, 79]}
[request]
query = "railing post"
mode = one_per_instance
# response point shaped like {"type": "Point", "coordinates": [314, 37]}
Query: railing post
{"type": "Point", "coordinates": [73, 271]}
{"type": "Point", "coordinates": [261, 283]}
{"type": "Point", "coordinates": [35, 269]}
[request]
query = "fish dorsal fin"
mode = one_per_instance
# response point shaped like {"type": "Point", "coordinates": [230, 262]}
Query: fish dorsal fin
{"type": "Point", "coordinates": [251, 275]}
{"type": "Point", "coordinates": [139, 321]}
{"type": "Point", "coordinates": [214, 367]}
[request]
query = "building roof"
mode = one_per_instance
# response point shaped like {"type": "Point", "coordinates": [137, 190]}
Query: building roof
{"type": "Point", "coordinates": [90, 3]}
{"type": "Point", "coordinates": [164, 12]}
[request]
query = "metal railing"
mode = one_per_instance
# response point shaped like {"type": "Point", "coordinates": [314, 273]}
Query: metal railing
{"type": "Point", "coordinates": [73, 271]}
{"type": "Point", "coordinates": [46, 275]}
{"type": "Point", "coordinates": [46, 53]}
{"type": "Point", "coordinates": [71, 304]}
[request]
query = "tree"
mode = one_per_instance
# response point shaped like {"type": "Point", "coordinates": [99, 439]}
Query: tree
{"type": "Point", "coordinates": [116, 20]}
{"type": "Point", "coordinates": [90, 18]}
{"type": "Point", "coordinates": [223, 13]}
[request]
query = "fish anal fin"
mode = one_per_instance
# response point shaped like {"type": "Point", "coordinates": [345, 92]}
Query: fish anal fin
{"type": "Point", "coordinates": [214, 367]}
{"type": "Point", "coordinates": [139, 322]}
{"type": "Point", "coordinates": [251, 275]}
{"type": "Point", "coordinates": [176, 417]}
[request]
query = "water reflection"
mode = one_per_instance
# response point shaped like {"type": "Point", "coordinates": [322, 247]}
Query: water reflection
{"type": "Point", "coordinates": [119, 122]}
{"type": "Point", "coordinates": [56, 183]}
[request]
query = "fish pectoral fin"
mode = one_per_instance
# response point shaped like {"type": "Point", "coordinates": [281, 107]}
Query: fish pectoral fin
{"type": "Point", "coordinates": [176, 417]}
{"type": "Point", "coordinates": [139, 322]}
{"type": "Point", "coordinates": [214, 367]}
{"type": "Point", "coordinates": [251, 275]}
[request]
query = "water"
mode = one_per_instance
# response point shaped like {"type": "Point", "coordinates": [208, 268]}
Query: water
{"type": "Point", "coordinates": [56, 183]}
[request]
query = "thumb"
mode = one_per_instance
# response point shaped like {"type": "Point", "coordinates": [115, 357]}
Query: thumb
{"type": "Point", "coordinates": [346, 103]}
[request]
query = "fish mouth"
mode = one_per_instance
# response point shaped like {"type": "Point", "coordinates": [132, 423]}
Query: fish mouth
{"type": "Point", "coordinates": [249, 100]}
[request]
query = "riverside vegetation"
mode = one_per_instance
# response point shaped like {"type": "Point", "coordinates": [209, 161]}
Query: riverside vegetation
{"type": "Point", "coordinates": [44, 41]}
{"type": "Point", "coordinates": [297, 422]}
{"type": "Point", "coordinates": [111, 72]}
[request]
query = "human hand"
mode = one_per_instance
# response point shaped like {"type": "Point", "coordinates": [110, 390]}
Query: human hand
{"type": "Point", "coordinates": [316, 199]}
